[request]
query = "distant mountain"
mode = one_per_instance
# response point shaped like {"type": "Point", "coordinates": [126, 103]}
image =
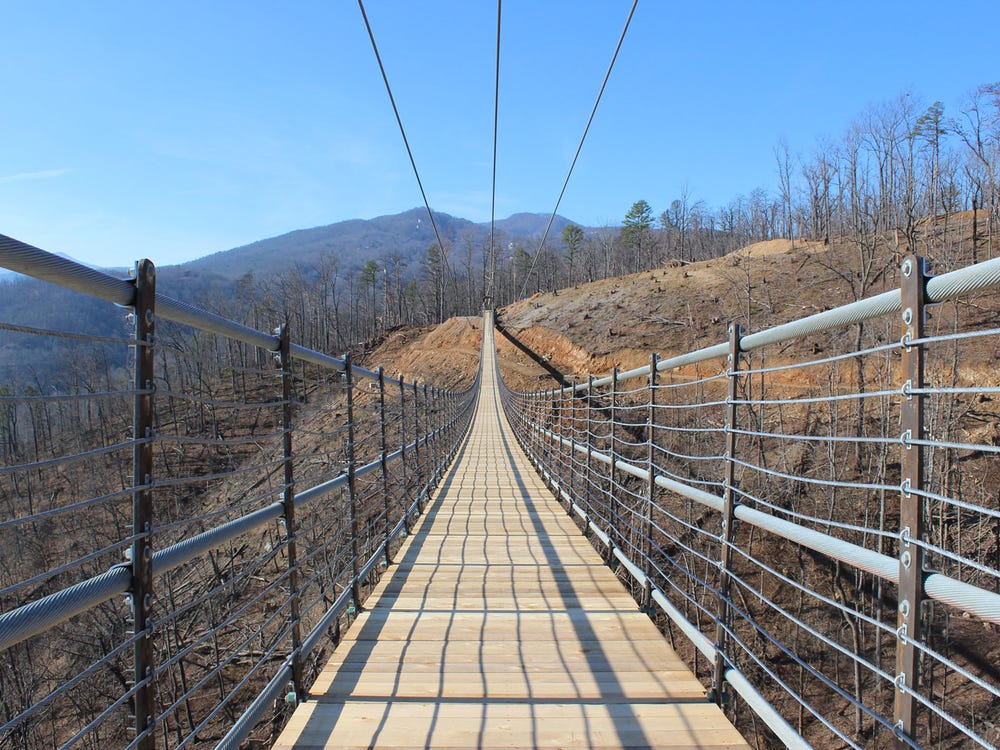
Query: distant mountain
{"type": "Point", "coordinates": [533, 225]}
{"type": "Point", "coordinates": [8, 275]}
{"type": "Point", "coordinates": [25, 301]}
{"type": "Point", "coordinates": [356, 241]}
{"type": "Point", "coordinates": [207, 281]}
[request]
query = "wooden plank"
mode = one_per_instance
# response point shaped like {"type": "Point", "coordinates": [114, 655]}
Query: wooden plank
{"type": "Point", "coordinates": [616, 686]}
{"type": "Point", "coordinates": [653, 652]}
{"type": "Point", "coordinates": [508, 726]}
{"type": "Point", "coordinates": [501, 627]}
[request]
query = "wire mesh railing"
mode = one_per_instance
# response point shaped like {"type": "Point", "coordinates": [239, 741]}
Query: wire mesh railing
{"type": "Point", "coordinates": [189, 515]}
{"type": "Point", "coordinates": [814, 506]}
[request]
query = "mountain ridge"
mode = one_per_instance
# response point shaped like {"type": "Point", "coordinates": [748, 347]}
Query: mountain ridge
{"type": "Point", "coordinates": [353, 242]}
{"type": "Point", "coordinates": [212, 280]}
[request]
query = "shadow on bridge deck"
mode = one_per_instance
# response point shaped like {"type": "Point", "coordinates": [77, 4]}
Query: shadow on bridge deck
{"type": "Point", "coordinates": [501, 627]}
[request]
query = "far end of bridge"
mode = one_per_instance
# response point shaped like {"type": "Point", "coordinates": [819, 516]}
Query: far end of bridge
{"type": "Point", "coordinates": [502, 627]}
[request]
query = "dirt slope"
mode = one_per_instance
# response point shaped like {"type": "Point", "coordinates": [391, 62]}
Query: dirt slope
{"type": "Point", "coordinates": [617, 322]}
{"type": "Point", "coordinates": [594, 327]}
{"type": "Point", "coordinates": [446, 355]}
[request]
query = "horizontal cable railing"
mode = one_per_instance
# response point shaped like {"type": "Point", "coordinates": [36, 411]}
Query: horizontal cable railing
{"type": "Point", "coordinates": [814, 506]}
{"type": "Point", "coordinates": [190, 515]}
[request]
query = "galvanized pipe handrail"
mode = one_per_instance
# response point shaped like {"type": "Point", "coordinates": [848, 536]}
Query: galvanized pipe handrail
{"type": "Point", "coordinates": [245, 723]}
{"type": "Point", "coordinates": [972, 599]}
{"type": "Point", "coordinates": [37, 263]}
{"type": "Point", "coordinates": [619, 474]}
{"type": "Point", "coordinates": [948, 286]}
{"type": "Point", "coordinates": [760, 705]}
{"type": "Point", "coordinates": [31, 619]}
{"type": "Point", "coordinates": [442, 416]}
{"type": "Point", "coordinates": [38, 616]}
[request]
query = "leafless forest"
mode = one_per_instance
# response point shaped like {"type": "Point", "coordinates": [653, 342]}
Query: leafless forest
{"type": "Point", "coordinates": [906, 177]}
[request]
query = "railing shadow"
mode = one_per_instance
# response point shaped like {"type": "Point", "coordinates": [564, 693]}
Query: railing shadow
{"type": "Point", "coordinates": [368, 635]}
{"type": "Point", "coordinates": [638, 433]}
{"type": "Point", "coordinates": [534, 356]}
{"type": "Point", "coordinates": [549, 609]}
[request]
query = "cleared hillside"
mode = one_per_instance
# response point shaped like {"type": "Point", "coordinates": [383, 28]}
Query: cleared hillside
{"type": "Point", "coordinates": [591, 328]}
{"type": "Point", "coordinates": [839, 413]}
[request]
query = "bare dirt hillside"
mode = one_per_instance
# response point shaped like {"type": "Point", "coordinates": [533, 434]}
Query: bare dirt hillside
{"type": "Point", "coordinates": [446, 355]}
{"type": "Point", "coordinates": [594, 327]}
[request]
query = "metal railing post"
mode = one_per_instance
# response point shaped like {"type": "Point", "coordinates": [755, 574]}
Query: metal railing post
{"type": "Point", "coordinates": [439, 418]}
{"type": "Point", "coordinates": [431, 439]}
{"type": "Point", "coordinates": [352, 490]}
{"type": "Point", "coordinates": [288, 505]}
{"type": "Point", "coordinates": [416, 446]}
{"type": "Point", "coordinates": [724, 611]}
{"type": "Point", "coordinates": [444, 406]}
{"type": "Point", "coordinates": [590, 442]}
{"type": "Point", "coordinates": [557, 418]}
{"type": "Point", "coordinates": [571, 454]}
{"type": "Point", "coordinates": [911, 517]}
{"type": "Point", "coordinates": [614, 520]}
{"type": "Point", "coordinates": [566, 433]}
{"type": "Point", "coordinates": [434, 416]}
{"type": "Point", "coordinates": [553, 457]}
{"type": "Point", "coordinates": [429, 428]}
{"type": "Point", "coordinates": [404, 495]}
{"type": "Point", "coordinates": [384, 464]}
{"type": "Point", "coordinates": [536, 435]}
{"type": "Point", "coordinates": [541, 442]}
{"type": "Point", "coordinates": [141, 588]}
{"type": "Point", "coordinates": [651, 487]}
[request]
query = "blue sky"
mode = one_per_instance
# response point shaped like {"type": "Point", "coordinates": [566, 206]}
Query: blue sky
{"type": "Point", "coordinates": [174, 130]}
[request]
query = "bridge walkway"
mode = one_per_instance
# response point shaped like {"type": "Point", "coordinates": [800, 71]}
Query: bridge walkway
{"type": "Point", "coordinates": [501, 627]}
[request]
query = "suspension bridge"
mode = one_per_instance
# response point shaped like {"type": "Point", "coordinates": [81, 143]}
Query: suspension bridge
{"type": "Point", "coordinates": [215, 536]}
{"type": "Point", "coordinates": [350, 559]}
{"type": "Point", "coordinates": [502, 627]}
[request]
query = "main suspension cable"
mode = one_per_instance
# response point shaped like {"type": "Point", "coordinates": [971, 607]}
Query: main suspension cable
{"type": "Point", "coordinates": [402, 132]}
{"type": "Point", "coordinates": [600, 93]}
{"type": "Point", "coordinates": [493, 199]}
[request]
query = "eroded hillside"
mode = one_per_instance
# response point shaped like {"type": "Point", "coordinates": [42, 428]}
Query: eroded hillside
{"type": "Point", "coordinates": [594, 327]}
{"type": "Point", "coordinates": [817, 437]}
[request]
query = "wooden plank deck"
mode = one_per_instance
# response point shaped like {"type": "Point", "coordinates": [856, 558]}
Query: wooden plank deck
{"type": "Point", "coordinates": [502, 628]}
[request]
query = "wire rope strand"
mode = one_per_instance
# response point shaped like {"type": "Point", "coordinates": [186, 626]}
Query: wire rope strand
{"type": "Point", "coordinates": [402, 132]}
{"type": "Point", "coordinates": [579, 148]}
{"type": "Point", "coordinates": [493, 195]}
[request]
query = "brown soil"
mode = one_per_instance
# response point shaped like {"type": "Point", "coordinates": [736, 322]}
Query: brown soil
{"type": "Point", "coordinates": [446, 356]}
{"type": "Point", "coordinates": [591, 328]}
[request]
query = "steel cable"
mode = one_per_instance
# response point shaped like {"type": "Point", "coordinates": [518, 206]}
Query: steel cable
{"type": "Point", "coordinates": [229, 509]}
{"type": "Point", "coordinates": [39, 515]}
{"type": "Point", "coordinates": [827, 522]}
{"type": "Point", "coordinates": [776, 679]}
{"type": "Point", "coordinates": [60, 460]}
{"type": "Point", "coordinates": [406, 142]}
{"type": "Point", "coordinates": [812, 480]}
{"type": "Point", "coordinates": [934, 708]}
{"type": "Point", "coordinates": [73, 681]}
{"type": "Point", "coordinates": [579, 148]}
{"type": "Point", "coordinates": [124, 543]}
{"type": "Point", "coordinates": [56, 397]}
{"type": "Point", "coordinates": [493, 191]}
